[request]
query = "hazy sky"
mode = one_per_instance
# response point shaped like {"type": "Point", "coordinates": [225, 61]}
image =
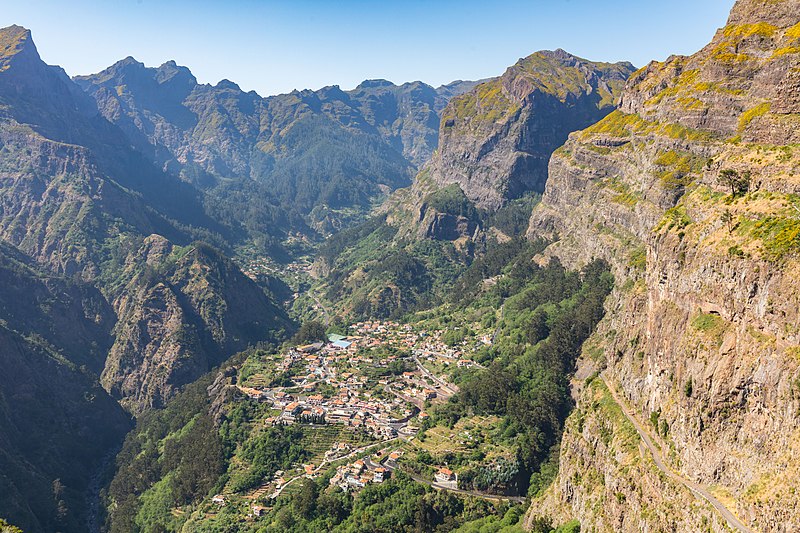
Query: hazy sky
{"type": "Point", "coordinates": [277, 46]}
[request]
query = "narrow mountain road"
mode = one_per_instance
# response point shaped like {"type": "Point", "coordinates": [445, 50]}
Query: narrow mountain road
{"type": "Point", "coordinates": [325, 462]}
{"type": "Point", "coordinates": [321, 307]}
{"type": "Point", "coordinates": [697, 489]}
{"type": "Point", "coordinates": [447, 387]}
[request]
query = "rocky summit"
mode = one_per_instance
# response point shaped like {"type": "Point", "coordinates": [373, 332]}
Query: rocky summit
{"type": "Point", "coordinates": [496, 140]}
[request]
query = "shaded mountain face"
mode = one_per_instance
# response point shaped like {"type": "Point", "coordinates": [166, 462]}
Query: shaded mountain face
{"type": "Point", "coordinates": [108, 299]}
{"type": "Point", "coordinates": [496, 139]}
{"type": "Point", "coordinates": [690, 192]}
{"type": "Point", "coordinates": [75, 197]}
{"type": "Point", "coordinates": [56, 423]}
{"type": "Point", "coordinates": [306, 149]}
{"type": "Point", "coordinates": [182, 311]}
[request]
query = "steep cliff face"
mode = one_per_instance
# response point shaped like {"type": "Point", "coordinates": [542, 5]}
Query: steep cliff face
{"type": "Point", "coordinates": [183, 311]}
{"type": "Point", "coordinates": [495, 140]}
{"type": "Point", "coordinates": [56, 422]}
{"type": "Point", "coordinates": [690, 191]}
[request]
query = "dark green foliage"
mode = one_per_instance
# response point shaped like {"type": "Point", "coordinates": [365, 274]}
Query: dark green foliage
{"type": "Point", "coordinates": [400, 276]}
{"type": "Point", "coordinates": [338, 243]}
{"type": "Point", "coordinates": [197, 457]}
{"type": "Point", "coordinates": [513, 218]}
{"type": "Point", "coordinates": [451, 200]}
{"type": "Point", "coordinates": [688, 388]}
{"type": "Point", "coordinates": [453, 337]}
{"type": "Point", "coordinates": [397, 505]}
{"type": "Point", "coordinates": [56, 422]}
{"type": "Point", "coordinates": [514, 254]}
{"type": "Point", "coordinates": [178, 443]}
{"type": "Point", "coordinates": [274, 449]}
{"type": "Point", "coordinates": [739, 184]}
{"type": "Point", "coordinates": [310, 332]}
{"type": "Point", "coordinates": [250, 209]}
{"type": "Point", "coordinates": [548, 314]}
{"type": "Point", "coordinates": [573, 526]}
{"type": "Point", "coordinates": [305, 503]}
{"type": "Point", "coordinates": [541, 524]}
{"type": "Point", "coordinates": [331, 165]}
{"type": "Point", "coordinates": [404, 269]}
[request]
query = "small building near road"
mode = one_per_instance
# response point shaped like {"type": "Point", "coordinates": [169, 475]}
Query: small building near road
{"type": "Point", "coordinates": [445, 475]}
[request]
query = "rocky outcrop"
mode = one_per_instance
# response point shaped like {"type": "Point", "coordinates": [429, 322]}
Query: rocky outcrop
{"type": "Point", "coordinates": [495, 140]}
{"type": "Point", "coordinates": [688, 191]}
{"type": "Point", "coordinates": [184, 311]}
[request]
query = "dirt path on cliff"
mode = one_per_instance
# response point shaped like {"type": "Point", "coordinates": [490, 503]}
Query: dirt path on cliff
{"type": "Point", "coordinates": [696, 489]}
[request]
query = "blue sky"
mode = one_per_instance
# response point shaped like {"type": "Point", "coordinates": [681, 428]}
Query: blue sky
{"type": "Point", "coordinates": [276, 46]}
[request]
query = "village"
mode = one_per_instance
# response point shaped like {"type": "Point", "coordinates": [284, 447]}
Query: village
{"type": "Point", "coordinates": [377, 379]}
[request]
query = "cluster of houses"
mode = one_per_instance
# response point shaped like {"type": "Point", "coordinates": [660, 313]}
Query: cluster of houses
{"type": "Point", "coordinates": [357, 475]}
{"type": "Point", "coordinates": [340, 381]}
{"type": "Point", "coordinates": [334, 364]}
{"type": "Point", "coordinates": [347, 408]}
{"type": "Point", "coordinates": [264, 266]}
{"type": "Point", "coordinates": [332, 383]}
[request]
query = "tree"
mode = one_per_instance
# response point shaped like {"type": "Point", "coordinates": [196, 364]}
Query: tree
{"type": "Point", "coordinates": [306, 501]}
{"type": "Point", "coordinates": [311, 331]}
{"type": "Point", "coordinates": [738, 183]}
{"type": "Point", "coordinates": [727, 219]}
{"type": "Point", "coordinates": [540, 524]}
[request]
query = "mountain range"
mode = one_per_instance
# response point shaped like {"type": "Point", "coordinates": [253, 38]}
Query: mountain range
{"type": "Point", "coordinates": [306, 152]}
{"type": "Point", "coordinates": [625, 241]}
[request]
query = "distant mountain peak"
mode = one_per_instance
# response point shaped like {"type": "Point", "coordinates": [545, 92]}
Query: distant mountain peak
{"type": "Point", "coordinates": [172, 72]}
{"type": "Point", "coordinates": [227, 84]}
{"type": "Point", "coordinates": [130, 60]}
{"type": "Point", "coordinates": [371, 84]}
{"type": "Point", "coordinates": [15, 44]}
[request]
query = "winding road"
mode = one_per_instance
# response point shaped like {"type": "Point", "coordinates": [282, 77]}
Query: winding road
{"type": "Point", "coordinates": [447, 387]}
{"type": "Point", "coordinates": [696, 489]}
